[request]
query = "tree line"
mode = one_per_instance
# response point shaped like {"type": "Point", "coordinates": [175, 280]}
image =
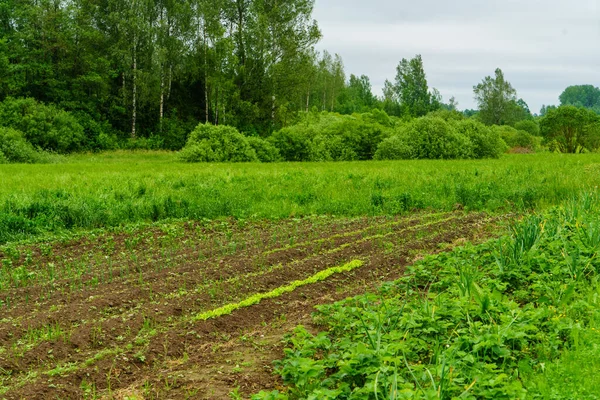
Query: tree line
{"type": "Point", "coordinates": [99, 74]}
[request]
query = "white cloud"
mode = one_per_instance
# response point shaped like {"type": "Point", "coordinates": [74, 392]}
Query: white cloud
{"type": "Point", "coordinates": [542, 46]}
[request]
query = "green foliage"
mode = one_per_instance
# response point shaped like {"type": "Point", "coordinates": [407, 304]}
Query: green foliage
{"type": "Point", "coordinates": [529, 126]}
{"type": "Point", "coordinates": [394, 148]}
{"type": "Point", "coordinates": [434, 138]}
{"type": "Point", "coordinates": [258, 297]}
{"type": "Point", "coordinates": [99, 134]}
{"type": "Point", "coordinates": [428, 138]}
{"type": "Point", "coordinates": [333, 137]}
{"type": "Point", "coordinates": [479, 322]}
{"type": "Point", "coordinates": [587, 96]}
{"type": "Point", "coordinates": [515, 138]}
{"type": "Point", "coordinates": [357, 97]}
{"type": "Point", "coordinates": [411, 90]}
{"type": "Point", "coordinates": [571, 130]}
{"type": "Point", "coordinates": [265, 151]}
{"type": "Point", "coordinates": [44, 126]}
{"type": "Point", "coordinates": [447, 115]}
{"type": "Point", "coordinates": [15, 149]}
{"type": "Point", "coordinates": [209, 143]}
{"type": "Point", "coordinates": [174, 132]}
{"type": "Point", "coordinates": [486, 142]}
{"type": "Point", "coordinates": [498, 103]}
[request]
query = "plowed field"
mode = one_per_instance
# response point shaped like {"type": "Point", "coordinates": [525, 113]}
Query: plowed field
{"type": "Point", "coordinates": [124, 314]}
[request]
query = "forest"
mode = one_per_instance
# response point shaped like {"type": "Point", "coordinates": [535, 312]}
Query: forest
{"type": "Point", "coordinates": [240, 80]}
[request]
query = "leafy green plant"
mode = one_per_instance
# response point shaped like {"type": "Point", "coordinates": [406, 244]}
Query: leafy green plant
{"type": "Point", "coordinates": [43, 125]}
{"type": "Point", "coordinates": [209, 143]}
{"type": "Point", "coordinates": [257, 298]}
{"type": "Point", "coordinates": [460, 325]}
{"type": "Point", "coordinates": [14, 148]}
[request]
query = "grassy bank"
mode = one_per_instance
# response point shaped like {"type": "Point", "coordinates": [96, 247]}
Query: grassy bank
{"type": "Point", "coordinates": [94, 191]}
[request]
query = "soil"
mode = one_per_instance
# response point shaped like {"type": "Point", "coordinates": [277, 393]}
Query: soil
{"type": "Point", "coordinates": [133, 336]}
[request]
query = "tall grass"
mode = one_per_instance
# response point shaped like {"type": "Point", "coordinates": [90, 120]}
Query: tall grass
{"type": "Point", "coordinates": [92, 191]}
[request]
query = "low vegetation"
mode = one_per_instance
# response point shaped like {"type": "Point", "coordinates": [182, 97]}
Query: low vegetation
{"type": "Point", "coordinates": [507, 319]}
{"type": "Point", "coordinates": [117, 189]}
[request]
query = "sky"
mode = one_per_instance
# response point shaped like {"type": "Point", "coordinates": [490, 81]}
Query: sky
{"type": "Point", "coordinates": [541, 46]}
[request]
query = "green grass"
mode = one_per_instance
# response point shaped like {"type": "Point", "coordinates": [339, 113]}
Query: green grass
{"type": "Point", "coordinates": [120, 188]}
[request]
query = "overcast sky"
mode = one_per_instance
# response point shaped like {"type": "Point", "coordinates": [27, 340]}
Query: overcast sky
{"type": "Point", "coordinates": [542, 46]}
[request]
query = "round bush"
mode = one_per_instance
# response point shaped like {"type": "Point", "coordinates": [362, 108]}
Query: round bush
{"type": "Point", "coordinates": [209, 143]}
{"type": "Point", "coordinates": [15, 148]}
{"type": "Point", "coordinates": [44, 126]}
{"type": "Point", "coordinates": [434, 138]}
{"type": "Point", "coordinates": [394, 148]}
{"type": "Point", "coordinates": [486, 142]}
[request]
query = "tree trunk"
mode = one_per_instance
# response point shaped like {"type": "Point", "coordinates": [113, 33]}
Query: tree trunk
{"type": "Point", "coordinates": [205, 70]}
{"type": "Point", "coordinates": [217, 105]}
{"type": "Point", "coordinates": [307, 99]}
{"type": "Point", "coordinates": [134, 100]}
{"type": "Point", "coordinates": [162, 100]}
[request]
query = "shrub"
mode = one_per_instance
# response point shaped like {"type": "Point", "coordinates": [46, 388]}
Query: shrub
{"type": "Point", "coordinates": [528, 126]}
{"type": "Point", "coordinates": [3, 159]}
{"type": "Point", "coordinates": [44, 126]}
{"type": "Point", "coordinates": [209, 143]}
{"type": "Point", "coordinates": [434, 138]}
{"type": "Point", "coordinates": [333, 137]}
{"type": "Point", "coordinates": [293, 143]}
{"type": "Point", "coordinates": [515, 138]}
{"type": "Point", "coordinates": [265, 151]}
{"type": "Point", "coordinates": [486, 142]}
{"type": "Point", "coordinates": [394, 148]}
{"type": "Point", "coordinates": [15, 149]}
{"type": "Point", "coordinates": [142, 143]}
{"type": "Point", "coordinates": [99, 135]}
{"type": "Point", "coordinates": [447, 115]}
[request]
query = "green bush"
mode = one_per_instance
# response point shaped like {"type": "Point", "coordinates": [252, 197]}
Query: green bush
{"type": "Point", "coordinates": [265, 151]}
{"type": "Point", "coordinates": [209, 143]}
{"type": "Point", "coordinates": [515, 138]}
{"type": "Point", "coordinates": [436, 139]}
{"type": "Point", "coordinates": [529, 126]}
{"type": "Point", "coordinates": [98, 134]}
{"type": "Point", "coordinates": [15, 149]}
{"type": "Point", "coordinates": [293, 143]}
{"type": "Point", "coordinates": [447, 115]}
{"type": "Point", "coordinates": [486, 142]}
{"type": "Point", "coordinates": [3, 159]}
{"type": "Point", "coordinates": [394, 148]}
{"type": "Point", "coordinates": [44, 126]}
{"type": "Point", "coordinates": [333, 137]}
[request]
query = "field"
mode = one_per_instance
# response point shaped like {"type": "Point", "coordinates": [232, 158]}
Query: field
{"type": "Point", "coordinates": [119, 189]}
{"type": "Point", "coordinates": [135, 277]}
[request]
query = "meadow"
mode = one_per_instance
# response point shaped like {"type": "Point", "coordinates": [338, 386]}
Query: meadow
{"type": "Point", "coordinates": [117, 189]}
{"type": "Point", "coordinates": [134, 276]}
